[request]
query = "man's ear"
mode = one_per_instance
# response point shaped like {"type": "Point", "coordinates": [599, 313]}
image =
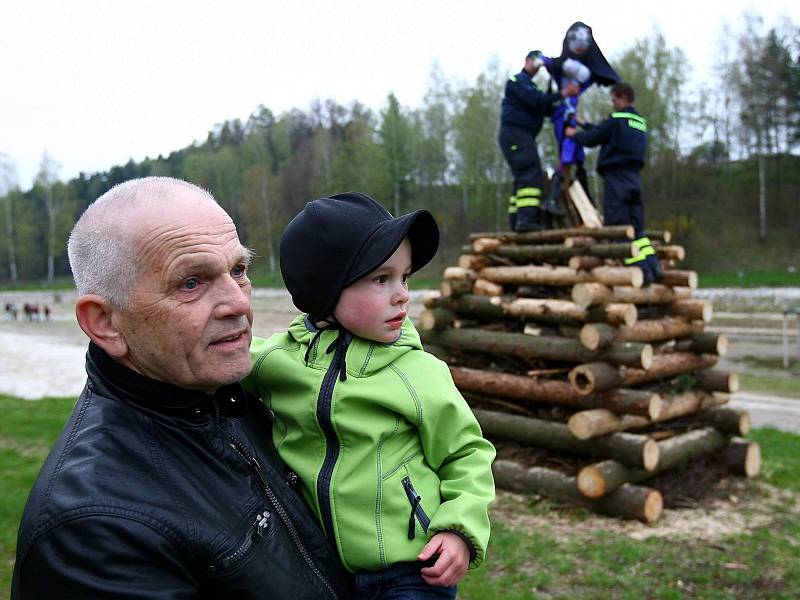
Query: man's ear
{"type": "Point", "coordinates": [96, 317]}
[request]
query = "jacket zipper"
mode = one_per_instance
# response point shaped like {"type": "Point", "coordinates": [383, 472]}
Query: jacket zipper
{"type": "Point", "coordinates": [416, 509]}
{"type": "Point", "coordinates": [324, 409]}
{"type": "Point", "coordinates": [256, 529]}
{"type": "Point", "coordinates": [251, 461]}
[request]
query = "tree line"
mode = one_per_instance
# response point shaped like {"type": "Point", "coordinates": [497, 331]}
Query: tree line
{"type": "Point", "coordinates": [722, 155]}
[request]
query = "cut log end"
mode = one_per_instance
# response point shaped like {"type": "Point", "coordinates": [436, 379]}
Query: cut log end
{"type": "Point", "coordinates": [590, 337]}
{"type": "Point", "coordinates": [647, 357]}
{"type": "Point", "coordinates": [653, 506]}
{"type": "Point", "coordinates": [743, 457]}
{"type": "Point", "coordinates": [591, 482]}
{"type": "Point", "coordinates": [651, 454]}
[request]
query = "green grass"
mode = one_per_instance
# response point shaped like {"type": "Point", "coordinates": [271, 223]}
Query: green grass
{"type": "Point", "coordinates": [27, 430]}
{"type": "Point", "coordinates": [59, 284]}
{"type": "Point", "coordinates": [770, 278]}
{"type": "Point", "coordinates": [761, 563]}
{"type": "Point", "coordinates": [774, 385]}
{"type": "Point", "coordinates": [521, 564]}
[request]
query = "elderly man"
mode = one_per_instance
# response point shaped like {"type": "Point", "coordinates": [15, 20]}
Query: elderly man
{"type": "Point", "coordinates": [163, 483]}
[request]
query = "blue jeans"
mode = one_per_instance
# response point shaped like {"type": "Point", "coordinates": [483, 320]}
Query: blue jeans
{"type": "Point", "coordinates": [401, 581]}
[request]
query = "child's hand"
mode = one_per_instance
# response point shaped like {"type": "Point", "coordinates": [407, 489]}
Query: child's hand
{"type": "Point", "coordinates": [452, 563]}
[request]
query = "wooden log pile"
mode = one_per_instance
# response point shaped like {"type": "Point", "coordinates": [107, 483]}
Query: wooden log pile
{"type": "Point", "coordinates": [563, 353]}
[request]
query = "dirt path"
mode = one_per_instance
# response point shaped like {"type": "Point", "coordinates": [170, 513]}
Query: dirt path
{"type": "Point", "coordinates": [767, 410]}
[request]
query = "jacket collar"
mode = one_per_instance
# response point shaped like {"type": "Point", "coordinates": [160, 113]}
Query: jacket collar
{"type": "Point", "coordinates": [364, 357]}
{"type": "Point", "coordinates": [112, 379]}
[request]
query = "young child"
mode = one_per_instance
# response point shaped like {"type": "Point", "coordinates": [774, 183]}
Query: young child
{"type": "Point", "coordinates": [389, 455]}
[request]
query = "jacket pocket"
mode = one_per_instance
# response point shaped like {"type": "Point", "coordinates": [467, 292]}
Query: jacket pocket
{"type": "Point", "coordinates": [261, 528]}
{"type": "Point", "coordinates": [417, 513]}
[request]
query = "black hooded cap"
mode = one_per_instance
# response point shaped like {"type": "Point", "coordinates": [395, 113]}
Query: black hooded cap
{"type": "Point", "coordinates": [333, 242]}
{"type": "Point", "coordinates": [602, 72]}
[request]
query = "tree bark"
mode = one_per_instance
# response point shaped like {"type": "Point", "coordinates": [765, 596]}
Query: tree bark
{"type": "Point", "coordinates": [559, 235]}
{"type": "Point", "coordinates": [539, 347]}
{"type": "Point", "coordinates": [459, 274]}
{"type": "Point", "coordinates": [592, 423]}
{"type": "Point", "coordinates": [585, 263]}
{"type": "Point", "coordinates": [611, 276]}
{"type": "Point", "coordinates": [627, 502]}
{"type": "Point", "coordinates": [688, 403]}
{"type": "Point", "coordinates": [673, 277]}
{"type": "Point", "coordinates": [726, 420]}
{"type": "Point", "coordinates": [628, 448]}
{"type": "Point", "coordinates": [704, 342]}
{"type": "Point", "coordinates": [600, 376]}
{"type": "Point", "coordinates": [670, 252]}
{"type": "Point", "coordinates": [655, 293]}
{"type": "Point", "coordinates": [692, 308]}
{"type": "Point", "coordinates": [473, 262]}
{"type": "Point", "coordinates": [536, 275]}
{"type": "Point", "coordinates": [717, 381]}
{"type": "Point", "coordinates": [517, 386]}
{"type": "Point", "coordinates": [614, 313]}
{"type": "Point", "coordinates": [455, 287]}
{"type": "Point", "coordinates": [600, 335]}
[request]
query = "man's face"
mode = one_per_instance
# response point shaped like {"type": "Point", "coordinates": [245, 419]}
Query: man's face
{"type": "Point", "coordinates": [189, 319]}
{"type": "Point", "coordinates": [375, 306]}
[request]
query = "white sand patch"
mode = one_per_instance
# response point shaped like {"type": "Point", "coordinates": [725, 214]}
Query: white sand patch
{"type": "Point", "coordinates": [40, 366]}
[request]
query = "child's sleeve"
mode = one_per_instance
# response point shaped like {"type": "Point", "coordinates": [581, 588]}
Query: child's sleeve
{"type": "Point", "coordinates": [250, 383]}
{"type": "Point", "coordinates": [455, 448]}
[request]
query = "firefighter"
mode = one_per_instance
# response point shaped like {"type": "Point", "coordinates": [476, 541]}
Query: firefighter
{"type": "Point", "coordinates": [623, 140]}
{"type": "Point", "coordinates": [523, 111]}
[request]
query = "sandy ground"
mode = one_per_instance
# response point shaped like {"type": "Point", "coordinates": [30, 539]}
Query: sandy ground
{"type": "Point", "coordinates": [46, 358]}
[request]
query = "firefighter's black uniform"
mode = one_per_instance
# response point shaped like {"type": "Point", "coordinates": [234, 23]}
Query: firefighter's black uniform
{"type": "Point", "coordinates": [523, 111]}
{"type": "Point", "coordinates": [623, 140]}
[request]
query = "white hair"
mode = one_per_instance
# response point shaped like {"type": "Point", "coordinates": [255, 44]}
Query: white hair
{"type": "Point", "coordinates": [101, 247]}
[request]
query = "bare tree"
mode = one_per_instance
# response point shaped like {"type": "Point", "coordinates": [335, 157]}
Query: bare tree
{"type": "Point", "coordinates": [8, 186]}
{"type": "Point", "coordinates": [47, 178]}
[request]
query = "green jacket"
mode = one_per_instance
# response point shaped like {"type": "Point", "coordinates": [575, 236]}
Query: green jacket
{"type": "Point", "coordinates": [388, 456]}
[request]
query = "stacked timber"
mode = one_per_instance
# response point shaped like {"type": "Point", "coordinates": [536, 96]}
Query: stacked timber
{"type": "Point", "coordinates": [560, 349]}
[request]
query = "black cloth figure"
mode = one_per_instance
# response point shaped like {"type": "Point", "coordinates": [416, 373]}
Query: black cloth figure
{"type": "Point", "coordinates": [623, 137]}
{"type": "Point", "coordinates": [523, 110]}
{"type": "Point", "coordinates": [578, 45]}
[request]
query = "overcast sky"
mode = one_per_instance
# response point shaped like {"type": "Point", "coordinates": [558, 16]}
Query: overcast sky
{"type": "Point", "coordinates": [98, 82]}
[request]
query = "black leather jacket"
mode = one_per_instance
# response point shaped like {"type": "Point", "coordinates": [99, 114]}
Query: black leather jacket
{"type": "Point", "coordinates": [154, 491]}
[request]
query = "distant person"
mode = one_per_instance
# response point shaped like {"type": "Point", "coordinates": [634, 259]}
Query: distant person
{"type": "Point", "coordinates": [388, 453]}
{"type": "Point", "coordinates": [623, 137]}
{"type": "Point", "coordinates": [46, 312]}
{"type": "Point", "coordinates": [522, 115]}
{"type": "Point", "coordinates": [164, 483]}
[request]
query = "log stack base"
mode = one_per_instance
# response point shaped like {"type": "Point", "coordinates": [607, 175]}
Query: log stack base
{"type": "Point", "coordinates": [558, 346]}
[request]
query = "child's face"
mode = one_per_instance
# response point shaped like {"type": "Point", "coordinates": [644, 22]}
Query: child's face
{"type": "Point", "coordinates": [375, 306]}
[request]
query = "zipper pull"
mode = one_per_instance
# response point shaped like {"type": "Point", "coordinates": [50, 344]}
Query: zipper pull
{"type": "Point", "coordinates": [411, 520]}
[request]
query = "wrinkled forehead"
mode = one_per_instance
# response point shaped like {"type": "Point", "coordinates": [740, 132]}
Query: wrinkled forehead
{"type": "Point", "coordinates": [167, 233]}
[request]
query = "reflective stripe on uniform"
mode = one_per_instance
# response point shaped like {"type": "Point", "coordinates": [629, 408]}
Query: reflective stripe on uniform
{"type": "Point", "coordinates": [512, 205]}
{"type": "Point", "coordinates": [528, 196]}
{"type": "Point", "coordinates": [646, 249]}
{"type": "Point", "coordinates": [634, 121]}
